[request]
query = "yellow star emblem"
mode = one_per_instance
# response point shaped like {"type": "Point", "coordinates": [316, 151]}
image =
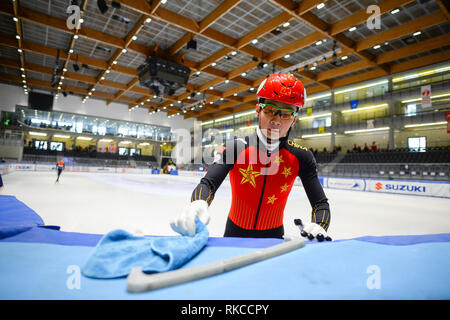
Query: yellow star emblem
{"type": "Point", "coordinates": [249, 175]}
{"type": "Point", "coordinates": [284, 188]}
{"type": "Point", "coordinates": [286, 172]}
{"type": "Point", "coordinates": [279, 160]}
{"type": "Point", "coordinates": [271, 199]}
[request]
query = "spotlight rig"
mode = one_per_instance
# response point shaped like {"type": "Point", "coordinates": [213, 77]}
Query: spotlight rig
{"type": "Point", "coordinates": [162, 76]}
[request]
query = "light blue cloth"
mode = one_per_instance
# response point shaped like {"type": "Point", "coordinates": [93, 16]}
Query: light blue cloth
{"type": "Point", "coordinates": [119, 251]}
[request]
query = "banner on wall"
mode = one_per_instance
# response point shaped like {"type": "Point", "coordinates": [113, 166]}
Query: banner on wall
{"type": "Point", "coordinates": [405, 187]}
{"type": "Point", "coordinates": [425, 92]}
{"type": "Point", "coordinates": [418, 188]}
{"type": "Point", "coordinates": [353, 104]}
{"type": "Point", "coordinates": [370, 124]}
{"type": "Point", "coordinates": [346, 184]}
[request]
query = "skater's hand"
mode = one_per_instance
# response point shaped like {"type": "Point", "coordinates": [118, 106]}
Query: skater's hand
{"type": "Point", "coordinates": [184, 223]}
{"type": "Point", "coordinates": [314, 231]}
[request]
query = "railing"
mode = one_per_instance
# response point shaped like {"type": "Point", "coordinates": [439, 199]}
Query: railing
{"type": "Point", "coordinates": [90, 162]}
{"type": "Point", "coordinates": [11, 142]}
{"type": "Point", "coordinates": [10, 136]}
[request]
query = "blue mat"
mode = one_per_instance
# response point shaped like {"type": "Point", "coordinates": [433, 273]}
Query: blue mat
{"type": "Point", "coordinates": [339, 270]}
{"type": "Point", "coordinates": [16, 217]}
{"type": "Point", "coordinates": [42, 263]}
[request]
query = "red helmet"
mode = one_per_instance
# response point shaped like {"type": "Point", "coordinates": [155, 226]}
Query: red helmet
{"type": "Point", "coordinates": [283, 87]}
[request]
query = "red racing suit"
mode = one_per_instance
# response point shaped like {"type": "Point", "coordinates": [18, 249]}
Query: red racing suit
{"type": "Point", "coordinates": [261, 181]}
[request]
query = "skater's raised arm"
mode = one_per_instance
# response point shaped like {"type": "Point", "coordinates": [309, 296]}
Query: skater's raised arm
{"type": "Point", "coordinates": [320, 216]}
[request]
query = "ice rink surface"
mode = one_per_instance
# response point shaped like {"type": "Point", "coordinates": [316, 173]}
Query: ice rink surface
{"type": "Point", "coordinates": [144, 204]}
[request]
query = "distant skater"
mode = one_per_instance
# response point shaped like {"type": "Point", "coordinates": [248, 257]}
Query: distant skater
{"type": "Point", "coordinates": [60, 167]}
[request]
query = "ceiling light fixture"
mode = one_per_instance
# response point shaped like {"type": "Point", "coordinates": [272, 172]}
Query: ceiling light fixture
{"type": "Point", "coordinates": [366, 130]}
{"type": "Point", "coordinates": [316, 135]}
{"type": "Point", "coordinates": [426, 124]}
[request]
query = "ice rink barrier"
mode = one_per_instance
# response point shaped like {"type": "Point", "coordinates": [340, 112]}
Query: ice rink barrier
{"type": "Point", "coordinates": [428, 188]}
{"type": "Point", "coordinates": [409, 187]}
{"type": "Point", "coordinates": [11, 167]}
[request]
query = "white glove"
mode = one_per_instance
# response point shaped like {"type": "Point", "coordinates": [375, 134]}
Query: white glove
{"type": "Point", "coordinates": [314, 231]}
{"type": "Point", "coordinates": [184, 223]}
{"type": "Point", "coordinates": [290, 237]}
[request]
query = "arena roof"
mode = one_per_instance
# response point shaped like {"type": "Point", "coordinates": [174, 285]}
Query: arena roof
{"type": "Point", "coordinates": [238, 43]}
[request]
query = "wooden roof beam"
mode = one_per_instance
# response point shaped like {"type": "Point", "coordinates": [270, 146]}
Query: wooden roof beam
{"type": "Point", "coordinates": [445, 7]}
{"type": "Point", "coordinates": [72, 44]}
{"type": "Point", "coordinates": [324, 28]}
{"type": "Point", "coordinates": [401, 31]}
{"type": "Point", "coordinates": [128, 39]}
{"type": "Point", "coordinates": [46, 84]}
{"type": "Point", "coordinates": [59, 24]}
{"type": "Point", "coordinates": [19, 34]}
{"type": "Point", "coordinates": [377, 73]}
{"type": "Point", "coordinates": [362, 16]}
{"type": "Point", "coordinates": [215, 15]}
